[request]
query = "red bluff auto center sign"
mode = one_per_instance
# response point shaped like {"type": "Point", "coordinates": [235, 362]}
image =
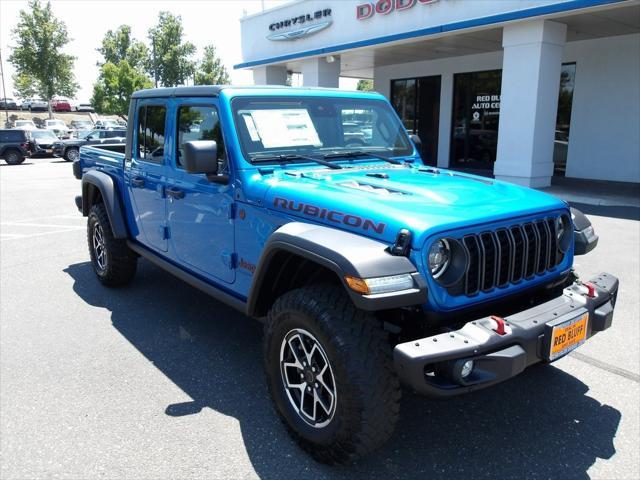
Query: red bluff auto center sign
{"type": "Point", "coordinates": [385, 7]}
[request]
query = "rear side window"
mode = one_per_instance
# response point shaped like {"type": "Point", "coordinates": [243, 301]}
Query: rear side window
{"type": "Point", "coordinates": [114, 133]}
{"type": "Point", "coordinates": [12, 136]}
{"type": "Point", "coordinates": [199, 123]}
{"type": "Point", "coordinates": [151, 123]}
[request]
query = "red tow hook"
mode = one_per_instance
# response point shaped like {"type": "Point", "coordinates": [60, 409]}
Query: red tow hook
{"type": "Point", "coordinates": [591, 289]}
{"type": "Point", "coordinates": [500, 330]}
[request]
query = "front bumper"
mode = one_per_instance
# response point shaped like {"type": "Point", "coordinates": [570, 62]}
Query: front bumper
{"type": "Point", "coordinates": [426, 364]}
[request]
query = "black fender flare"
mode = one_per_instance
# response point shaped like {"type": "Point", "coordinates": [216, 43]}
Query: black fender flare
{"type": "Point", "coordinates": [343, 253]}
{"type": "Point", "coordinates": [109, 192]}
{"type": "Point", "coordinates": [584, 236]}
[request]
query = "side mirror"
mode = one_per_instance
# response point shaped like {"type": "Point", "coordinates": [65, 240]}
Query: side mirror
{"type": "Point", "coordinates": [201, 156]}
{"type": "Point", "coordinates": [417, 142]}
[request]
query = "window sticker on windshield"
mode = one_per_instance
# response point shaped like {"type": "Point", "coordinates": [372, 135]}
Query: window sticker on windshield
{"type": "Point", "coordinates": [285, 128]}
{"type": "Point", "coordinates": [251, 127]}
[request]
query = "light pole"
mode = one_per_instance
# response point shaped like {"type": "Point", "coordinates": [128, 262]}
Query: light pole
{"type": "Point", "coordinates": [4, 90]}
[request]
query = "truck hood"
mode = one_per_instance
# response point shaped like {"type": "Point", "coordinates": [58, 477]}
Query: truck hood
{"type": "Point", "coordinates": [377, 201]}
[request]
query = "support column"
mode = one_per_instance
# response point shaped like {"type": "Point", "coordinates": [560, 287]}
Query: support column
{"type": "Point", "coordinates": [318, 72]}
{"type": "Point", "coordinates": [270, 75]}
{"type": "Point", "coordinates": [529, 101]}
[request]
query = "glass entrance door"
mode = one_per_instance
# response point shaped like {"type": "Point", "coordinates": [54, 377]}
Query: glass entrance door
{"type": "Point", "coordinates": [417, 101]}
{"type": "Point", "coordinates": [476, 114]}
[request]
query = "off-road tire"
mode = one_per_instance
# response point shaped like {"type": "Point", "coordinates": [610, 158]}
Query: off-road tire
{"type": "Point", "coordinates": [119, 262]}
{"type": "Point", "coordinates": [13, 156]}
{"type": "Point", "coordinates": [367, 388]}
{"type": "Point", "coordinates": [71, 154]}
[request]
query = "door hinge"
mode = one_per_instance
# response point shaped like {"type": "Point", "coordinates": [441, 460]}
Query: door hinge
{"type": "Point", "coordinates": [164, 232]}
{"type": "Point", "coordinates": [230, 260]}
{"type": "Point", "coordinates": [232, 211]}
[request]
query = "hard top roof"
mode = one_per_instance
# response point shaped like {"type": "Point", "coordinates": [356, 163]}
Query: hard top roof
{"type": "Point", "coordinates": [214, 90]}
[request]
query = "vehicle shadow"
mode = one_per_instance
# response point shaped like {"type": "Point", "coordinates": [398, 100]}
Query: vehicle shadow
{"type": "Point", "coordinates": [541, 424]}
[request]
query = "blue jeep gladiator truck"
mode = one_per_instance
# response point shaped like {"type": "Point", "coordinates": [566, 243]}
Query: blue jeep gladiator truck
{"type": "Point", "coordinates": [310, 210]}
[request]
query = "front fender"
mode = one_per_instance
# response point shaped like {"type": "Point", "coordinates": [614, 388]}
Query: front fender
{"type": "Point", "coordinates": [105, 184]}
{"type": "Point", "coordinates": [343, 253]}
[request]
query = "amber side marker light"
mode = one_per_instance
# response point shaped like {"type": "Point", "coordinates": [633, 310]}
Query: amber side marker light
{"type": "Point", "coordinates": [357, 284]}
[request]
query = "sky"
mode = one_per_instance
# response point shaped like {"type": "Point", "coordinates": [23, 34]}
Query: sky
{"type": "Point", "coordinates": [205, 22]}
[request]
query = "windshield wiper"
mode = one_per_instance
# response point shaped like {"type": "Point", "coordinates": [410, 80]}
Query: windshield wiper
{"type": "Point", "coordinates": [295, 156]}
{"type": "Point", "coordinates": [361, 153]}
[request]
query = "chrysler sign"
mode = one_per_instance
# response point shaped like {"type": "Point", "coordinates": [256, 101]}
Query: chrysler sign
{"type": "Point", "coordinates": [300, 26]}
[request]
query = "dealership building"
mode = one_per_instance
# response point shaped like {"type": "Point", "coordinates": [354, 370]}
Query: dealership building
{"type": "Point", "coordinates": [521, 89]}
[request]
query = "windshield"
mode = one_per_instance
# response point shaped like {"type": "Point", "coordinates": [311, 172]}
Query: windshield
{"type": "Point", "coordinates": [20, 123]}
{"type": "Point", "coordinates": [43, 135]}
{"type": "Point", "coordinates": [85, 124]}
{"type": "Point", "coordinates": [56, 123]}
{"type": "Point", "coordinates": [269, 128]}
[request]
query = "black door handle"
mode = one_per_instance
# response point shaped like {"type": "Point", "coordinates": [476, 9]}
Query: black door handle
{"type": "Point", "coordinates": [175, 193]}
{"type": "Point", "coordinates": [137, 182]}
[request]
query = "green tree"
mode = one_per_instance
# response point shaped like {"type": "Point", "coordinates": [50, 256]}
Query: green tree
{"type": "Point", "coordinates": [170, 63]}
{"type": "Point", "coordinates": [116, 83]}
{"type": "Point", "coordinates": [41, 66]}
{"type": "Point", "coordinates": [211, 70]}
{"type": "Point", "coordinates": [365, 85]}
{"type": "Point", "coordinates": [119, 45]}
{"type": "Point", "coordinates": [24, 85]}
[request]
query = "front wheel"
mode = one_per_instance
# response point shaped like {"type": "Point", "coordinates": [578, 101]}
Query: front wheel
{"type": "Point", "coordinates": [330, 373]}
{"type": "Point", "coordinates": [71, 155]}
{"type": "Point", "coordinates": [114, 263]}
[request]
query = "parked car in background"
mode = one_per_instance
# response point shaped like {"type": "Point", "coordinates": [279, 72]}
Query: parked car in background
{"type": "Point", "coordinates": [82, 125]}
{"type": "Point", "coordinates": [15, 146]}
{"type": "Point", "coordinates": [42, 142]}
{"type": "Point", "coordinates": [68, 149]}
{"type": "Point", "coordinates": [8, 104]}
{"type": "Point", "coordinates": [32, 104]}
{"type": "Point", "coordinates": [58, 127]}
{"type": "Point", "coordinates": [104, 124]}
{"type": "Point", "coordinates": [25, 125]}
{"type": "Point", "coordinates": [84, 107]}
{"type": "Point", "coordinates": [61, 105]}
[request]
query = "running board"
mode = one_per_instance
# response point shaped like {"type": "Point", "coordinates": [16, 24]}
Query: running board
{"type": "Point", "coordinates": [187, 277]}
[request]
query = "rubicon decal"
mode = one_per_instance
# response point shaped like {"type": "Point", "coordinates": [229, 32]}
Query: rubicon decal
{"type": "Point", "coordinates": [335, 216]}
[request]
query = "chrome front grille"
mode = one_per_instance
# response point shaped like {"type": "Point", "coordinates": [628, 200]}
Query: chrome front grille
{"type": "Point", "coordinates": [508, 255]}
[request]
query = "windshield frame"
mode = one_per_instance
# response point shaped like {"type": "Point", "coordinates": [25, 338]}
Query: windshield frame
{"type": "Point", "coordinates": [409, 151]}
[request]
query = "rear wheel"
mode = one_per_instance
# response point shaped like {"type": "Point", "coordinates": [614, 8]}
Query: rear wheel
{"type": "Point", "coordinates": [13, 156]}
{"type": "Point", "coordinates": [71, 154]}
{"type": "Point", "coordinates": [114, 263]}
{"type": "Point", "coordinates": [330, 373]}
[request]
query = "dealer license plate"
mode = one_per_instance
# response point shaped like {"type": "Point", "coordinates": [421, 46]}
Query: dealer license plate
{"type": "Point", "coordinates": [568, 336]}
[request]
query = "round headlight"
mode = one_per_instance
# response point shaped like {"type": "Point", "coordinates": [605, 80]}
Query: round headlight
{"type": "Point", "coordinates": [439, 256]}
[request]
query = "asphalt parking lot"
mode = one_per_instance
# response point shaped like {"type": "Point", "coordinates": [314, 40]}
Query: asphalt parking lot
{"type": "Point", "coordinates": [157, 380]}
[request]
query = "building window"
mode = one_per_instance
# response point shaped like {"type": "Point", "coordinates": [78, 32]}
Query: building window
{"type": "Point", "coordinates": [476, 114]}
{"type": "Point", "coordinates": [563, 120]}
{"type": "Point", "coordinates": [417, 102]}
